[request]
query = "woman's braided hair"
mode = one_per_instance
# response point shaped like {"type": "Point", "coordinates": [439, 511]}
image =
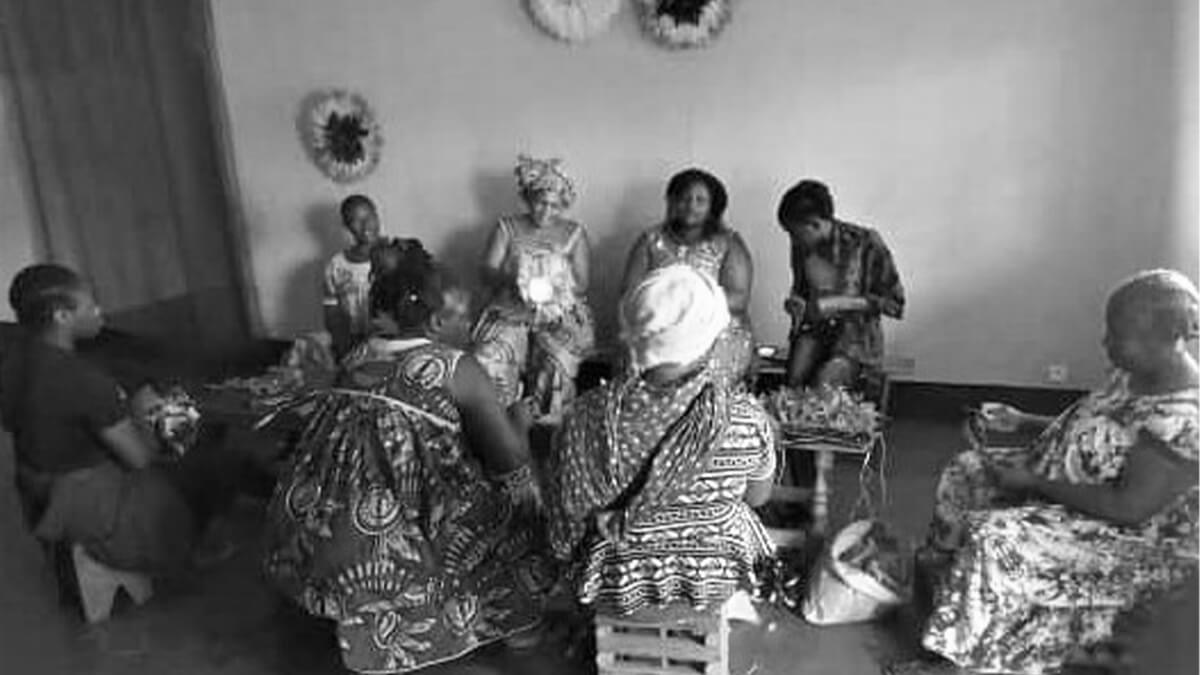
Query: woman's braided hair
{"type": "Point", "coordinates": [38, 291]}
{"type": "Point", "coordinates": [406, 284]}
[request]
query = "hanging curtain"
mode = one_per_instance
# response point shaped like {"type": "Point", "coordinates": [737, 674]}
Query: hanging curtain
{"type": "Point", "coordinates": [115, 109]}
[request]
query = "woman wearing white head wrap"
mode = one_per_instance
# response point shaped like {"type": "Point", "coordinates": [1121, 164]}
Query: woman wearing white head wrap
{"type": "Point", "coordinates": [695, 233]}
{"type": "Point", "coordinates": [652, 477]}
{"type": "Point", "coordinates": [672, 317]}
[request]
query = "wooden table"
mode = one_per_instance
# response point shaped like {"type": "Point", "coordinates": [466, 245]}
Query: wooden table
{"type": "Point", "coordinates": [818, 495]}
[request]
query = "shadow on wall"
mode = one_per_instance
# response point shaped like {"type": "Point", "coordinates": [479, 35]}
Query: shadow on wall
{"type": "Point", "coordinates": [610, 252]}
{"type": "Point", "coordinates": [495, 195]}
{"type": "Point", "coordinates": [302, 294]}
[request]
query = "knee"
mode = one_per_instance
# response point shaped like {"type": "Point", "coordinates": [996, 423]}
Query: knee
{"type": "Point", "coordinates": [838, 371]}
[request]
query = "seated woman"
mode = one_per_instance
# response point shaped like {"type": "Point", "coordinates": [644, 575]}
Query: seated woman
{"type": "Point", "coordinates": [694, 233]}
{"type": "Point", "coordinates": [87, 473]}
{"type": "Point", "coordinates": [652, 477]}
{"type": "Point", "coordinates": [538, 328]}
{"type": "Point", "coordinates": [405, 513]}
{"type": "Point", "coordinates": [1047, 546]}
{"type": "Point", "coordinates": [843, 280]}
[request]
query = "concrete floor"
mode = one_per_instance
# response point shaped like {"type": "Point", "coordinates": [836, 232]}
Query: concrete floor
{"type": "Point", "coordinates": [227, 621]}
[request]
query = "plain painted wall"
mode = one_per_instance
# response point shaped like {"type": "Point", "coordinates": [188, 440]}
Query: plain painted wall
{"type": "Point", "coordinates": [1020, 157]}
{"type": "Point", "coordinates": [1185, 248]}
{"type": "Point", "coordinates": [19, 242]}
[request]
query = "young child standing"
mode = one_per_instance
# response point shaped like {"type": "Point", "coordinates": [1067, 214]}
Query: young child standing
{"type": "Point", "coordinates": [347, 279]}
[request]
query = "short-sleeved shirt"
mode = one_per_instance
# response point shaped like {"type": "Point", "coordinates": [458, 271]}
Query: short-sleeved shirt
{"type": "Point", "coordinates": [347, 285]}
{"type": "Point", "coordinates": [56, 403]}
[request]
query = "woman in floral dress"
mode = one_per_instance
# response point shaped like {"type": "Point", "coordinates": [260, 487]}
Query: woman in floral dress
{"type": "Point", "coordinates": [653, 476]}
{"type": "Point", "coordinates": [1048, 546]}
{"type": "Point", "coordinates": [694, 233]}
{"type": "Point", "coordinates": [538, 329]}
{"type": "Point", "coordinates": [404, 515]}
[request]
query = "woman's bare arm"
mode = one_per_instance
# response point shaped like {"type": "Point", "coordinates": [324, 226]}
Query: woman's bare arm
{"type": "Point", "coordinates": [493, 256]}
{"type": "Point", "coordinates": [737, 275]}
{"type": "Point", "coordinates": [637, 263]}
{"type": "Point", "coordinates": [758, 492]}
{"type": "Point", "coordinates": [128, 444]}
{"type": "Point", "coordinates": [581, 260]}
{"type": "Point", "coordinates": [1152, 478]}
{"type": "Point", "coordinates": [488, 429]}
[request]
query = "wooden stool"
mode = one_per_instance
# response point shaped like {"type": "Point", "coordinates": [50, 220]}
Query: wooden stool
{"type": "Point", "coordinates": [673, 641]}
{"type": "Point", "coordinates": [98, 585]}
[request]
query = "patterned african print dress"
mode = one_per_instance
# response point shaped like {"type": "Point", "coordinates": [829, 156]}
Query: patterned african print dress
{"type": "Point", "coordinates": [646, 493]}
{"type": "Point", "coordinates": [532, 343]}
{"type": "Point", "coordinates": [387, 525]}
{"type": "Point", "coordinates": [1031, 583]}
{"type": "Point", "coordinates": [734, 350]}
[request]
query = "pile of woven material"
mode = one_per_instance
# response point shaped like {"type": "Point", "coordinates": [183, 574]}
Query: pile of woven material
{"type": "Point", "coordinates": [824, 413]}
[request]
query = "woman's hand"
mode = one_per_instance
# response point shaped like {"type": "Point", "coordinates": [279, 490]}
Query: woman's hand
{"type": "Point", "coordinates": [1001, 417]}
{"type": "Point", "coordinates": [528, 500]}
{"type": "Point", "coordinates": [521, 488]}
{"type": "Point", "coordinates": [521, 415]}
{"type": "Point", "coordinates": [795, 305]}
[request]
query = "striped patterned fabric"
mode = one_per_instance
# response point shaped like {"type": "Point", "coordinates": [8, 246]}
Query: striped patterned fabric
{"type": "Point", "coordinates": [661, 536]}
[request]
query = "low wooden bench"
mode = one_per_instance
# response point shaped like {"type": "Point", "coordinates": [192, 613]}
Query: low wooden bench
{"type": "Point", "coordinates": [676, 640]}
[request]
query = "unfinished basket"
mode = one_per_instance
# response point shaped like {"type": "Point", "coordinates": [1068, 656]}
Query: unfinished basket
{"type": "Point", "coordinates": [673, 641]}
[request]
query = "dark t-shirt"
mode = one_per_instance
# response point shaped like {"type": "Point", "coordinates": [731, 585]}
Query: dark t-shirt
{"type": "Point", "coordinates": [55, 403]}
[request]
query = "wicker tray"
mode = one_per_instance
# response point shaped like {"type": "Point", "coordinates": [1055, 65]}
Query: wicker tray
{"type": "Point", "coordinates": [794, 435]}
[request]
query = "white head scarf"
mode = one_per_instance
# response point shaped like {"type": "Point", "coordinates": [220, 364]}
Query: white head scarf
{"type": "Point", "coordinates": [673, 316]}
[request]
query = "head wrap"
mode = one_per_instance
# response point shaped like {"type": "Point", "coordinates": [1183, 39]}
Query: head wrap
{"type": "Point", "coordinates": [673, 316]}
{"type": "Point", "coordinates": [539, 176]}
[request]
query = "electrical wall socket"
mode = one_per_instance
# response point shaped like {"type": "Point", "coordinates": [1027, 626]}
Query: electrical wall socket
{"type": "Point", "coordinates": [1057, 373]}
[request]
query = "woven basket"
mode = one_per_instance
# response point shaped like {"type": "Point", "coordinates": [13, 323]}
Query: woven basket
{"type": "Point", "coordinates": [814, 435]}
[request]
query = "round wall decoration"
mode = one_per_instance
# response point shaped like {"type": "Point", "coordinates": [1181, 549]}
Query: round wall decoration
{"type": "Point", "coordinates": [341, 135]}
{"type": "Point", "coordinates": [573, 20]}
{"type": "Point", "coordinates": [683, 24]}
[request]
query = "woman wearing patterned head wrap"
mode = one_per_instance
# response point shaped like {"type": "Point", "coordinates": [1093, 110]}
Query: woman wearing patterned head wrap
{"type": "Point", "coordinates": [652, 477]}
{"type": "Point", "coordinates": [538, 328]}
{"type": "Point", "coordinates": [1038, 551]}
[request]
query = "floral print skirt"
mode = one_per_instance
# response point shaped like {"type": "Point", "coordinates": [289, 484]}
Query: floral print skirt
{"type": "Point", "coordinates": [1030, 585]}
{"type": "Point", "coordinates": [733, 352]}
{"type": "Point", "coordinates": [534, 357]}
{"type": "Point", "coordinates": [401, 540]}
